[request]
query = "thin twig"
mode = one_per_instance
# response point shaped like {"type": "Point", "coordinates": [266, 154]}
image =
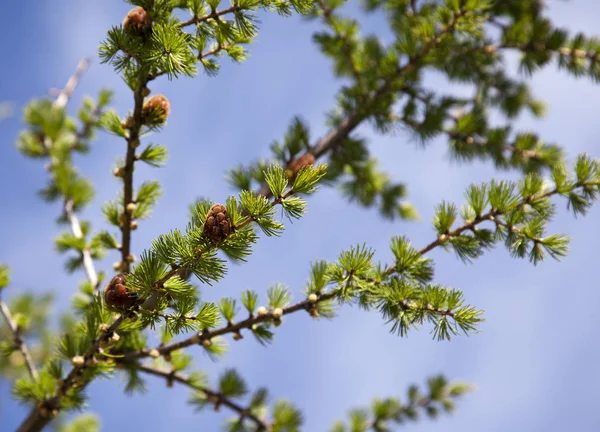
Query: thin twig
{"type": "Point", "coordinates": [213, 396]}
{"type": "Point", "coordinates": [18, 340]}
{"type": "Point", "coordinates": [67, 91]}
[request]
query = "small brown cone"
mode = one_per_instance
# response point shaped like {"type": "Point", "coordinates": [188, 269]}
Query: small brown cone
{"type": "Point", "coordinates": [135, 19]}
{"type": "Point", "coordinates": [118, 296]}
{"type": "Point", "coordinates": [156, 109]}
{"type": "Point", "coordinates": [217, 226]}
{"type": "Point", "coordinates": [300, 162]}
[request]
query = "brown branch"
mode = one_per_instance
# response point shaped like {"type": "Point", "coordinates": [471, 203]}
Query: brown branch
{"type": "Point", "coordinates": [213, 396]}
{"type": "Point", "coordinates": [18, 340]}
{"type": "Point", "coordinates": [207, 335]}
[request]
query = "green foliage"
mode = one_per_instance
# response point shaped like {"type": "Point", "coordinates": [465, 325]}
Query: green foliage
{"type": "Point", "coordinates": [382, 85]}
{"type": "Point", "coordinates": [440, 397]}
{"type": "Point", "coordinates": [82, 423]}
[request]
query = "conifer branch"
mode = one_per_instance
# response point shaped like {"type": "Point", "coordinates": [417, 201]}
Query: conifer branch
{"type": "Point", "coordinates": [347, 47]}
{"type": "Point", "coordinates": [206, 335]}
{"type": "Point", "coordinates": [18, 340]}
{"type": "Point", "coordinates": [473, 140]}
{"type": "Point", "coordinates": [214, 397]}
{"type": "Point", "coordinates": [60, 102]}
{"type": "Point", "coordinates": [491, 215]}
{"type": "Point", "coordinates": [336, 136]}
{"type": "Point", "coordinates": [41, 414]}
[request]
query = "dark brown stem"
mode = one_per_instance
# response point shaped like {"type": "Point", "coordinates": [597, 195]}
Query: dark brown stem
{"type": "Point", "coordinates": [132, 143]}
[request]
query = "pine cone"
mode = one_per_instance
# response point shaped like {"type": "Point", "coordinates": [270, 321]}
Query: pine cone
{"type": "Point", "coordinates": [118, 296]}
{"type": "Point", "coordinates": [297, 164]}
{"type": "Point", "coordinates": [135, 19]}
{"type": "Point", "coordinates": [156, 109]}
{"type": "Point", "coordinates": [217, 226]}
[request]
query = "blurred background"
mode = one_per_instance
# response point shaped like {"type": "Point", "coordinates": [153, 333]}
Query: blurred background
{"type": "Point", "coordinates": [535, 361]}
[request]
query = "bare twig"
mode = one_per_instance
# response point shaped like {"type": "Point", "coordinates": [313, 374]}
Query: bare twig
{"type": "Point", "coordinates": [18, 340]}
{"type": "Point", "coordinates": [214, 397]}
{"type": "Point", "coordinates": [67, 91]}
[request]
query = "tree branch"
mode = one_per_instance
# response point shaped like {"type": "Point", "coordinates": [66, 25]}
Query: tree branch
{"type": "Point", "coordinates": [18, 340]}
{"type": "Point", "coordinates": [41, 415]}
{"type": "Point", "coordinates": [214, 397]}
{"type": "Point", "coordinates": [132, 143]}
{"type": "Point", "coordinates": [336, 136]}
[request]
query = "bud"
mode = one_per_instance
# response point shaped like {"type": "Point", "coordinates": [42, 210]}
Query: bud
{"type": "Point", "coordinates": [119, 172]}
{"type": "Point", "coordinates": [135, 143]}
{"type": "Point", "coordinates": [145, 91]}
{"type": "Point", "coordinates": [133, 225]}
{"type": "Point", "coordinates": [103, 327]}
{"type": "Point", "coordinates": [237, 336]}
{"type": "Point", "coordinates": [312, 297]}
{"type": "Point", "coordinates": [78, 361]}
{"type": "Point", "coordinates": [156, 109]}
{"type": "Point", "coordinates": [277, 312]}
{"type": "Point", "coordinates": [217, 226]}
{"type": "Point", "coordinates": [131, 207]}
{"type": "Point", "coordinates": [135, 19]}
{"type": "Point", "coordinates": [206, 343]}
{"type": "Point", "coordinates": [118, 296]}
{"type": "Point", "coordinates": [276, 322]}
{"type": "Point", "coordinates": [154, 353]}
{"type": "Point", "coordinates": [131, 258]}
{"type": "Point", "coordinates": [115, 337]}
{"type": "Point", "coordinates": [261, 311]}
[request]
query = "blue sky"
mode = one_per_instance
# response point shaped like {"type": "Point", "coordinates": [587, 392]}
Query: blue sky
{"type": "Point", "coordinates": [535, 362]}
